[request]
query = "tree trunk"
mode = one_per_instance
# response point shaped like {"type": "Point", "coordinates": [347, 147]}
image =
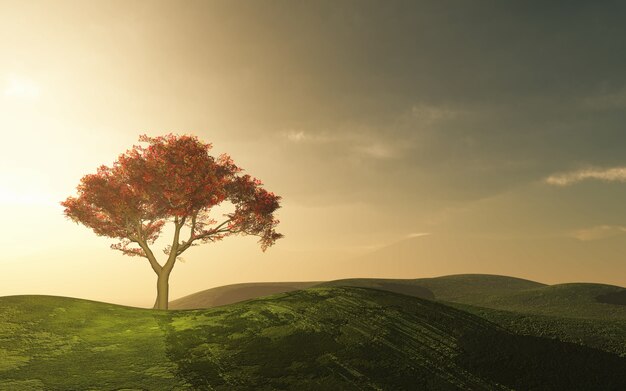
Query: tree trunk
{"type": "Point", "coordinates": [162, 291]}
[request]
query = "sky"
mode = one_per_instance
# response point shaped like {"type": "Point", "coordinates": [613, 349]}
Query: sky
{"type": "Point", "coordinates": [478, 137]}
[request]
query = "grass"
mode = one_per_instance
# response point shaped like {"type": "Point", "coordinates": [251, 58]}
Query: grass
{"type": "Point", "coordinates": [587, 314]}
{"type": "Point", "coordinates": [63, 343]}
{"type": "Point", "coordinates": [322, 338]}
{"type": "Point", "coordinates": [563, 300]}
{"type": "Point", "coordinates": [604, 334]}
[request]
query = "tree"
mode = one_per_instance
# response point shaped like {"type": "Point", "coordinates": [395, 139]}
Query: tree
{"type": "Point", "coordinates": [172, 180]}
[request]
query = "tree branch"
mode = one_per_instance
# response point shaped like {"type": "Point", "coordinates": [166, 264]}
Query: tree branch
{"type": "Point", "coordinates": [175, 244]}
{"type": "Point", "coordinates": [150, 255]}
{"type": "Point", "coordinates": [141, 241]}
{"type": "Point", "coordinates": [192, 237]}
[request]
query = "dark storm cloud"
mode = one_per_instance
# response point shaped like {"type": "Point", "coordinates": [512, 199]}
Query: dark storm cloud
{"type": "Point", "coordinates": [451, 98]}
{"type": "Point", "coordinates": [393, 54]}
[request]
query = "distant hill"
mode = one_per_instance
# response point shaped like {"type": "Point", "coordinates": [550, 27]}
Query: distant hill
{"type": "Point", "coordinates": [234, 293]}
{"type": "Point", "coordinates": [575, 300]}
{"type": "Point", "coordinates": [450, 288]}
{"type": "Point", "coordinates": [331, 338]}
{"type": "Point", "coordinates": [444, 288]}
{"type": "Point", "coordinates": [491, 291]}
{"type": "Point", "coordinates": [443, 254]}
{"type": "Point", "coordinates": [580, 313]}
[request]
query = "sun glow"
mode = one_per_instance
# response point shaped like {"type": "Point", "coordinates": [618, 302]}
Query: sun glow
{"type": "Point", "coordinates": [20, 88]}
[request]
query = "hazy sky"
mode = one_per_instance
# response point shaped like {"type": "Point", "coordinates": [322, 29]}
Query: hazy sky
{"type": "Point", "coordinates": [495, 127]}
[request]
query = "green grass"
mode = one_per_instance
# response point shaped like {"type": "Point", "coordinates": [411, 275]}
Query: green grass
{"type": "Point", "coordinates": [604, 334]}
{"type": "Point", "coordinates": [76, 344]}
{"type": "Point", "coordinates": [568, 312]}
{"type": "Point", "coordinates": [316, 339]}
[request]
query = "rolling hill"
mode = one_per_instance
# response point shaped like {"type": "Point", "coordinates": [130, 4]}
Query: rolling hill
{"type": "Point", "coordinates": [336, 338]}
{"type": "Point", "coordinates": [574, 300]}
{"type": "Point", "coordinates": [234, 293]}
{"type": "Point", "coordinates": [443, 254]}
{"type": "Point", "coordinates": [444, 288]}
{"type": "Point", "coordinates": [465, 287]}
{"type": "Point", "coordinates": [579, 313]}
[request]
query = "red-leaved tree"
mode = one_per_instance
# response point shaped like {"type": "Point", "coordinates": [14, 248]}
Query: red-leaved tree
{"type": "Point", "coordinates": [172, 180]}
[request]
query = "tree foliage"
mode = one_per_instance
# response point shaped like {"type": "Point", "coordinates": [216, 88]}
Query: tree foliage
{"type": "Point", "coordinates": [172, 179]}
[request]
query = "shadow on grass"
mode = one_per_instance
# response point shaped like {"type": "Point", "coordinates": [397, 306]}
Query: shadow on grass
{"type": "Point", "coordinates": [534, 363]}
{"type": "Point", "coordinates": [617, 298]}
{"type": "Point", "coordinates": [356, 338]}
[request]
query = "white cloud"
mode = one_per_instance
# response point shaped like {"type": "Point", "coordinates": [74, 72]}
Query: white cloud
{"type": "Point", "coordinates": [377, 150]}
{"type": "Point", "coordinates": [431, 114]}
{"type": "Point", "coordinates": [599, 232]}
{"type": "Point", "coordinates": [616, 174]}
{"type": "Point", "coordinates": [296, 136]}
{"type": "Point", "coordinates": [360, 144]}
{"type": "Point", "coordinates": [417, 234]}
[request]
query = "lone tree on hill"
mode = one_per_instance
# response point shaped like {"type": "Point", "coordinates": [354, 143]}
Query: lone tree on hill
{"type": "Point", "coordinates": [172, 179]}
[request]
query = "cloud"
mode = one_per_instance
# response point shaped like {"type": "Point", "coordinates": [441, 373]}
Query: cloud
{"type": "Point", "coordinates": [302, 136]}
{"type": "Point", "coordinates": [358, 142]}
{"type": "Point", "coordinates": [616, 174]}
{"type": "Point", "coordinates": [599, 232]}
{"type": "Point", "coordinates": [431, 113]}
{"type": "Point", "coordinates": [607, 101]}
{"type": "Point", "coordinates": [296, 136]}
{"type": "Point", "coordinates": [377, 150]}
{"type": "Point", "coordinates": [417, 234]}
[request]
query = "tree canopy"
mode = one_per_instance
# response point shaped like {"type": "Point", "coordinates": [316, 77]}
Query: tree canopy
{"type": "Point", "coordinates": [172, 179]}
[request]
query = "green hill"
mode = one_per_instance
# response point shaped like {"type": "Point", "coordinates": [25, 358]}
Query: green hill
{"type": "Point", "coordinates": [579, 300]}
{"type": "Point", "coordinates": [587, 314]}
{"type": "Point", "coordinates": [463, 286]}
{"type": "Point", "coordinates": [315, 339]}
{"type": "Point", "coordinates": [582, 313]}
{"type": "Point", "coordinates": [229, 294]}
{"type": "Point", "coordinates": [576, 300]}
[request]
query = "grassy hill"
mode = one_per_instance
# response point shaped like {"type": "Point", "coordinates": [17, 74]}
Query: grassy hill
{"type": "Point", "coordinates": [579, 300]}
{"type": "Point", "coordinates": [467, 287]}
{"type": "Point", "coordinates": [444, 288]}
{"type": "Point", "coordinates": [576, 300]}
{"type": "Point", "coordinates": [235, 293]}
{"type": "Point", "coordinates": [581, 313]}
{"type": "Point", "coordinates": [586, 314]}
{"type": "Point", "coordinates": [320, 338]}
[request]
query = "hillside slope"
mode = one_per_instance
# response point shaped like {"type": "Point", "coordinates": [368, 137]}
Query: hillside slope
{"type": "Point", "coordinates": [582, 313]}
{"type": "Point", "coordinates": [229, 294]}
{"type": "Point", "coordinates": [321, 338]}
{"type": "Point", "coordinates": [574, 300]}
{"type": "Point", "coordinates": [445, 288]}
{"type": "Point", "coordinates": [449, 288]}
